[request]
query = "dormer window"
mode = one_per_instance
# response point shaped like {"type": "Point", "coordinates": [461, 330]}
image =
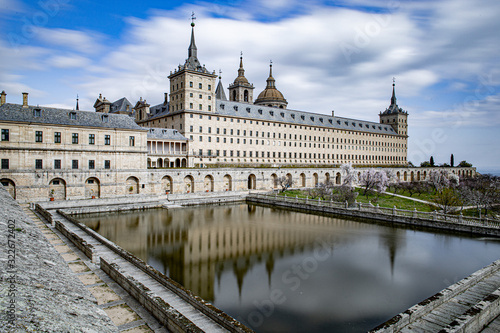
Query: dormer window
{"type": "Point", "coordinates": [271, 113]}
{"type": "Point", "coordinates": [105, 118]}
{"type": "Point", "coordinates": [248, 110]}
{"type": "Point", "coordinates": [293, 116]}
{"type": "Point", "coordinates": [260, 111]}
{"type": "Point", "coordinates": [354, 124]}
{"type": "Point", "coordinates": [37, 112]}
{"type": "Point", "coordinates": [235, 108]}
{"type": "Point", "coordinates": [330, 121]}
{"type": "Point", "coordinates": [222, 106]}
{"type": "Point", "coordinates": [282, 114]}
{"type": "Point", "coordinates": [302, 117]}
{"type": "Point", "coordinates": [72, 115]}
{"type": "Point", "coordinates": [321, 119]}
{"type": "Point", "coordinates": [312, 118]}
{"type": "Point", "coordinates": [367, 126]}
{"type": "Point", "coordinates": [338, 122]}
{"type": "Point", "coordinates": [347, 123]}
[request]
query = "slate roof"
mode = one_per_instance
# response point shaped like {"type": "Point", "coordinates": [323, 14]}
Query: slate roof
{"type": "Point", "coordinates": [302, 118]}
{"type": "Point", "coordinates": [121, 106]}
{"type": "Point", "coordinates": [165, 134]}
{"type": "Point", "coordinates": [158, 110]}
{"type": "Point", "coordinates": [55, 116]}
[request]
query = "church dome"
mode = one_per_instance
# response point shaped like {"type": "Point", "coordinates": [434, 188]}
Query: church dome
{"type": "Point", "coordinates": [271, 96]}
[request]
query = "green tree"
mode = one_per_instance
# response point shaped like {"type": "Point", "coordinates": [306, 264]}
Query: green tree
{"type": "Point", "coordinates": [464, 164]}
{"type": "Point", "coordinates": [452, 160]}
{"type": "Point", "coordinates": [431, 161]}
{"type": "Point", "coordinates": [447, 198]}
{"type": "Point", "coordinates": [425, 164]}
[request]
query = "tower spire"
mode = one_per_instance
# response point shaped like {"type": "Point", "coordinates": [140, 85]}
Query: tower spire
{"type": "Point", "coordinates": [270, 79]}
{"type": "Point", "coordinates": [193, 50]}
{"type": "Point", "coordinates": [393, 98]}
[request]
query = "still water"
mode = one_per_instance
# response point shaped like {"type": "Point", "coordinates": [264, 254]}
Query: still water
{"type": "Point", "coordinates": [283, 271]}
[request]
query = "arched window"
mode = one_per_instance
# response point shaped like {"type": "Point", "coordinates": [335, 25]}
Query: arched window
{"type": "Point", "coordinates": [245, 96]}
{"type": "Point", "coordinates": [234, 95]}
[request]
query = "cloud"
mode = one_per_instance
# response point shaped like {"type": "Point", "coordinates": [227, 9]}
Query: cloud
{"type": "Point", "coordinates": [72, 61]}
{"type": "Point", "coordinates": [80, 41]}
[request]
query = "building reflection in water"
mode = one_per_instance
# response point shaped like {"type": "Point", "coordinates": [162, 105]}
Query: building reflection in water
{"type": "Point", "coordinates": [195, 246]}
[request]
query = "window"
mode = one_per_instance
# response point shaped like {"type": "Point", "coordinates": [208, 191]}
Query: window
{"type": "Point", "coordinates": [209, 107]}
{"type": "Point", "coordinates": [72, 115]}
{"type": "Point", "coordinates": [191, 106]}
{"type": "Point", "coordinates": [57, 164]}
{"type": "Point", "coordinates": [105, 118]}
{"type": "Point", "coordinates": [38, 136]}
{"type": "Point", "coordinates": [91, 164]}
{"type": "Point", "coordinates": [209, 87]}
{"type": "Point", "coordinates": [191, 84]}
{"type": "Point", "coordinates": [37, 113]}
{"type": "Point", "coordinates": [74, 138]}
{"type": "Point", "coordinates": [200, 107]}
{"type": "Point", "coordinates": [201, 138]}
{"type": "Point", "coordinates": [74, 164]}
{"type": "Point", "coordinates": [57, 137]}
{"type": "Point", "coordinates": [131, 141]}
{"type": "Point", "coordinates": [91, 139]}
{"type": "Point", "coordinates": [200, 96]}
{"type": "Point", "coordinates": [107, 139]}
{"type": "Point", "coordinates": [38, 164]}
{"type": "Point", "coordinates": [5, 135]}
{"type": "Point", "coordinates": [5, 163]}
{"type": "Point", "coordinates": [200, 85]}
{"type": "Point", "coordinates": [191, 128]}
{"type": "Point", "coordinates": [107, 164]}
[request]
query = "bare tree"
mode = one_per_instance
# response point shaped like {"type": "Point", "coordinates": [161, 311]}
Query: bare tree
{"type": "Point", "coordinates": [373, 179]}
{"type": "Point", "coordinates": [323, 191]}
{"type": "Point", "coordinates": [350, 174]}
{"type": "Point", "coordinates": [284, 182]}
{"type": "Point", "coordinates": [344, 193]}
{"type": "Point", "coordinates": [481, 191]}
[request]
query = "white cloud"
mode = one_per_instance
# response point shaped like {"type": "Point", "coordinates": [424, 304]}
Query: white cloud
{"type": "Point", "coordinates": [80, 41]}
{"type": "Point", "coordinates": [69, 61]}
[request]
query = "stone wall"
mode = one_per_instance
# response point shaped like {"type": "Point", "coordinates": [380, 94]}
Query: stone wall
{"type": "Point", "coordinates": [31, 186]}
{"type": "Point", "coordinates": [38, 291]}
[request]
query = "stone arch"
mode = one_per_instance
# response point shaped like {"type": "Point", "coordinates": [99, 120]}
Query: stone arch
{"type": "Point", "coordinates": [274, 180]}
{"type": "Point", "coordinates": [405, 176]}
{"type": "Point", "coordinates": [10, 186]}
{"type": "Point", "coordinates": [338, 179]}
{"type": "Point", "coordinates": [208, 183]}
{"type": "Point", "coordinates": [57, 189]}
{"type": "Point", "coordinates": [303, 180]}
{"type": "Point", "coordinates": [418, 175]}
{"type": "Point", "coordinates": [167, 185]}
{"type": "Point", "coordinates": [92, 188]}
{"type": "Point", "coordinates": [252, 182]}
{"type": "Point", "coordinates": [398, 174]}
{"type": "Point", "coordinates": [425, 175]}
{"type": "Point", "coordinates": [315, 179]}
{"type": "Point", "coordinates": [228, 183]}
{"type": "Point", "coordinates": [189, 184]}
{"type": "Point", "coordinates": [412, 176]}
{"type": "Point", "coordinates": [159, 163]}
{"type": "Point", "coordinates": [178, 163]}
{"type": "Point", "coordinates": [132, 185]}
{"type": "Point", "coordinates": [184, 163]}
{"type": "Point", "coordinates": [234, 96]}
{"type": "Point", "coordinates": [327, 177]}
{"type": "Point", "coordinates": [166, 163]}
{"type": "Point", "coordinates": [290, 178]}
{"type": "Point", "coordinates": [245, 96]}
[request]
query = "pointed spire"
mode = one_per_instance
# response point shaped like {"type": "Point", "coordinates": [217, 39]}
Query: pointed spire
{"type": "Point", "coordinates": [77, 106]}
{"type": "Point", "coordinates": [193, 50]}
{"type": "Point", "coordinates": [241, 73]}
{"type": "Point", "coordinates": [270, 80]}
{"type": "Point", "coordinates": [219, 92]}
{"type": "Point", "coordinates": [393, 98]}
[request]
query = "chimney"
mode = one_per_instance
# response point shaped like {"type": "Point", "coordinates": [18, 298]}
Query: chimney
{"type": "Point", "coordinates": [333, 113]}
{"type": "Point", "coordinates": [25, 100]}
{"type": "Point", "coordinates": [3, 97]}
{"type": "Point", "coordinates": [165, 100]}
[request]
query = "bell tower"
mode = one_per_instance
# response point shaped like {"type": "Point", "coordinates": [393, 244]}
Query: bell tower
{"type": "Point", "coordinates": [241, 90]}
{"type": "Point", "coordinates": [394, 115]}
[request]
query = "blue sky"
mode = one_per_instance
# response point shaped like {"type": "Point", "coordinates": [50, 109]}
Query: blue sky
{"type": "Point", "coordinates": [327, 55]}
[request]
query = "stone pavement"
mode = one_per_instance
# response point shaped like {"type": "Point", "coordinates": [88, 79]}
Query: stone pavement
{"type": "Point", "coordinates": [121, 308]}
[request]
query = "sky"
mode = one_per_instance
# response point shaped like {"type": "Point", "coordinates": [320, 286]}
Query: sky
{"type": "Point", "coordinates": [327, 55]}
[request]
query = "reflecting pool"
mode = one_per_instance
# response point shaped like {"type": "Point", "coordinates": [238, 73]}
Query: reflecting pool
{"type": "Point", "coordinates": [284, 271]}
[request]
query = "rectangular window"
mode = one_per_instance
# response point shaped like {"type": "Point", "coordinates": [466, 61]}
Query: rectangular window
{"type": "Point", "coordinates": [210, 130]}
{"type": "Point", "coordinates": [74, 164]}
{"type": "Point", "coordinates": [200, 107]}
{"type": "Point", "coordinates": [217, 153]}
{"type": "Point", "coordinates": [57, 164]}
{"type": "Point", "coordinates": [209, 87]}
{"type": "Point", "coordinates": [131, 141]}
{"type": "Point", "coordinates": [201, 138]}
{"type": "Point", "coordinates": [57, 137]}
{"type": "Point", "coordinates": [201, 129]}
{"type": "Point", "coordinates": [107, 164]}
{"type": "Point", "coordinates": [201, 152]}
{"type": "Point", "coordinates": [200, 85]}
{"type": "Point", "coordinates": [5, 135]}
{"type": "Point", "coordinates": [91, 164]}
{"type": "Point", "coordinates": [191, 84]}
{"type": "Point", "coordinates": [38, 164]}
{"type": "Point", "coordinates": [107, 139]}
{"type": "Point", "coordinates": [191, 128]}
{"type": "Point", "coordinates": [191, 106]}
{"type": "Point", "coordinates": [91, 139]}
{"type": "Point", "coordinates": [38, 136]}
{"type": "Point", "coordinates": [74, 138]}
{"type": "Point", "coordinates": [5, 163]}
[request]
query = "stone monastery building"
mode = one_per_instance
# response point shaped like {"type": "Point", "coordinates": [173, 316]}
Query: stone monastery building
{"type": "Point", "coordinates": [241, 131]}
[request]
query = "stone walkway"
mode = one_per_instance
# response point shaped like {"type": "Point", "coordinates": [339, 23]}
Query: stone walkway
{"type": "Point", "coordinates": [124, 311]}
{"type": "Point", "coordinates": [442, 316]}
